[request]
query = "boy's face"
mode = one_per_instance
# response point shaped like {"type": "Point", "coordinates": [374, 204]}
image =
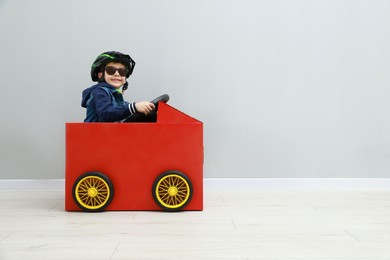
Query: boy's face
{"type": "Point", "coordinates": [114, 80]}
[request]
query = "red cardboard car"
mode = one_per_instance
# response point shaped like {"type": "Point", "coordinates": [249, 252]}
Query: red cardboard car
{"type": "Point", "coordinates": [135, 166]}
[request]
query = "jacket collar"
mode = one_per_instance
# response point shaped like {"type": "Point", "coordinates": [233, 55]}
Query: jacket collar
{"type": "Point", "coordinates": [106, 85]}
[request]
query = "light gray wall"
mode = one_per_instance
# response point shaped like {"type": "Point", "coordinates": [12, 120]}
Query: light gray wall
{"type": "Point", "coordinates": [284, 88]}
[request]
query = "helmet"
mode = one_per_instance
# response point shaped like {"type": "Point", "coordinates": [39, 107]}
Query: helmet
{"type": "Point", "coordinates": [111, 56]}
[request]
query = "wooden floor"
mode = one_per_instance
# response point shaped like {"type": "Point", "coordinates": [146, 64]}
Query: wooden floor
{"type": "Point", "coordinates": [236, 224]}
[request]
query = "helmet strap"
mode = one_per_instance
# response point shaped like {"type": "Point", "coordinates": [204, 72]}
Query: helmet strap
{"type": "Point", "coordinates": [125, 86]}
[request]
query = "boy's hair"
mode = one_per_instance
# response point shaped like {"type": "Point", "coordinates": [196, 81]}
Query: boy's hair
{"type": "Point", "coordinates": [111, 56]}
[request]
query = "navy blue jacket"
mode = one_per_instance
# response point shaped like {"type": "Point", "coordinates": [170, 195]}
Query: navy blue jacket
{"type": "Point", "coordinates": [105, 104]}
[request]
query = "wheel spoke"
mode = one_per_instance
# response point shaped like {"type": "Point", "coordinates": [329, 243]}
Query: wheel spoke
{"type": "Point", "coordinates": [164, 196]}
{"type": "Point", "coordinates": [182, 192]}
{"type": "Point", "coordinates": [164, 185]}
{"type": "Point", "coordinates": [83, 186]}
{"type": "Point", "coordinates": [181, 185]}
{"type": "Point", "coordinates": [97, 201]}
{"type": "Point", "coordinates": [100, 186]}
{"type": "Point", "coordinates": [83, 196]}
{"type": "Point", "coordinates": [101, 197]}
{"type": "Point", "coordinates": [174, 181]}
{"type": "Point", "coordinates": [170, 180]}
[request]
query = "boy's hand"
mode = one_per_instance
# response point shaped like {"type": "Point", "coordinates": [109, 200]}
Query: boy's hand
{"type": "Point", "coordinates": [144, 107]}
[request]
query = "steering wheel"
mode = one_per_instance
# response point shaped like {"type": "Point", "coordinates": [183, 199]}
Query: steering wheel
{"type": "Point", "coordinates": [163, 98]}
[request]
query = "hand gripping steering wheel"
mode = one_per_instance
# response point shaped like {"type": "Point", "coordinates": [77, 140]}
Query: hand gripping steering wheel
{"type": "Point", "coordinates": [139, 117]}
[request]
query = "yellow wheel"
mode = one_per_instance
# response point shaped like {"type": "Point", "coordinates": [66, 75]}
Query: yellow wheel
{"type": "Point", "coordinates": [172, 190]}
{"type": "Point", "coordinates": [93, 191]}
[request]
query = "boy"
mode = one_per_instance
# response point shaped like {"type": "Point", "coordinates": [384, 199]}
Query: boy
{"type": "Point", "coordinates": [104, 101]}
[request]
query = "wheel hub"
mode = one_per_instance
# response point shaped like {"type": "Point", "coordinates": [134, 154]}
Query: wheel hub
{"type": "Point", "coordinates": [92, 192]}
{"type": "Point", "coordinates": [172, 191]}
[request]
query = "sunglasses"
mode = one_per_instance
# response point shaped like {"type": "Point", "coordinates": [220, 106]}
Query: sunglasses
{"type": "Point", "coordinates": [112, 70]}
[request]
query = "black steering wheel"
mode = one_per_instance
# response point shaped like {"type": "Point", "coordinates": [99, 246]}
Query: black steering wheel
{"type": "Point", "coordinates": [163, 98]}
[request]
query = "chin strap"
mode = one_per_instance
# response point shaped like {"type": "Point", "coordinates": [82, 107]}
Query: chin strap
{"type": "Point", "coordinates": [125, 86]}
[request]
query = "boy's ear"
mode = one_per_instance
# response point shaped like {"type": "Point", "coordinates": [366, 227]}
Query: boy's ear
{"type": "Point", "coordinates": [100, 75]}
